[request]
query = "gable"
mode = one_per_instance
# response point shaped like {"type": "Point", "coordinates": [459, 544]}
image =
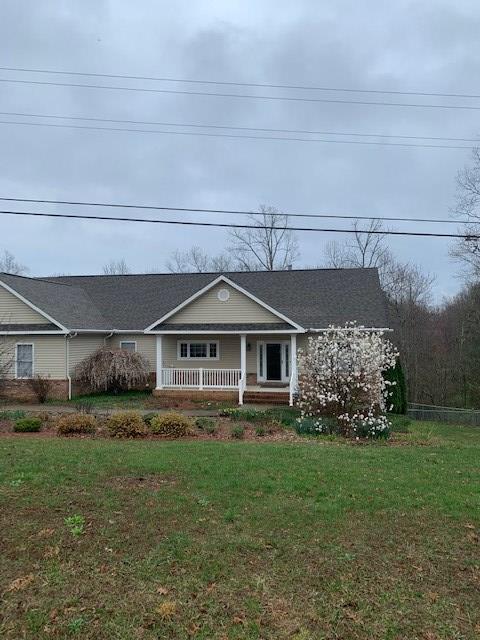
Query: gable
{"type": "Point", "coordinates": [14, 311]}
{"type": "Point", "coordinates": [209, 308]}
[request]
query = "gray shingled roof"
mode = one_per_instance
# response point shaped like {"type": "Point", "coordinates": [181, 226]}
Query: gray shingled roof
{"type": "Point", "coordinates": [28, 327]}
{"type": "Point", "coordinates": [311, 297]}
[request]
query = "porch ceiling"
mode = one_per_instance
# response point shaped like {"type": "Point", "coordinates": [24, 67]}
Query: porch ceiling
{"type": "Point", "coordinates": [222, 326]}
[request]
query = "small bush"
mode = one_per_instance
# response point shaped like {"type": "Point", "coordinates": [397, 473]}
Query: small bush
{"type": "Point", "coordinates": [127, 424]}
{"type": "Point", "coordinates": [27, 425]}
{"type": "Point", "coordinates": [260, 431]}
{"type": "Point", "coordinates": [171, 425]}
{"type": "Point", "coordinates": [238, 432]}
{"type": "Point", "coordinates": [76, 423]}
{"type": "Point", "coordinates": [12, 415]}
{"type": "Point", "coordinates": [374, 427]}
{"type": "Point", "coordinates": [41, 387]}
{"type": "Point", "coordinates": [247, 415]}
{"type": "Point", "coordinates": [307, 427]}
{"type": "Point", "coordinates": [148, 417]}
{"type": "Point", "coordinates": [204, 423]}
{"type": "Point", "coordinates": [211, 429]}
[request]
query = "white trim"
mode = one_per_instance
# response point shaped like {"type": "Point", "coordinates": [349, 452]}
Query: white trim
{"type": "Point", "coordinates": [210, 332]}
{"type": "Point", "coordinates": [24, 344]}
{"type": "Point", "coordinates": [348, 329]}
{"type": "Point", "coordinates": [134, 342]}
{"type": "Point", "coordinates": [262, 345]}
{"type": "Point", "coordinates": [189, 342]}
{"type": "Point", "coordinates": [158, 362]}
{"type": "Point", "coordinates": [209, 286]}
{"type": "Point", "coordinates": [32, 306]}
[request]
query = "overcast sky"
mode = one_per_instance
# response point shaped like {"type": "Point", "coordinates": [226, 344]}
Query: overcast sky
{"type": "Point", "coordinates": [403, 45]}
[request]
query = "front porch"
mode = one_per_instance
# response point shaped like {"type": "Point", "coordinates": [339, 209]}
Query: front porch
{"type": "Point", "coordinates": [266, 366]}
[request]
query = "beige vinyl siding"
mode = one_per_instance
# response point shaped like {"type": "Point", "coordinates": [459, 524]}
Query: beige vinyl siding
{"type": "Point", "coordinates": [81, 346]}
{"type": "Point", "coordinates": [238, 308]}
{"type": "Point", "coordinates": [49, 354]}
{"type": "Point", "coordinates": [229, 350]}
{"type": "Point", "coordinates": [146, 345]}
{"type": "Point", "coordinates": [229, 347]}
{"type": "Point", "coordinates": [14, 311]}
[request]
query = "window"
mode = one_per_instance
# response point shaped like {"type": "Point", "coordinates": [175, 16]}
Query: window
{"type": "Point", "coordinates": [128, 345]}
{"type": "Point", "coordinates": [24, 361]}
{"type": "Point", "coordinates": [197, 350]}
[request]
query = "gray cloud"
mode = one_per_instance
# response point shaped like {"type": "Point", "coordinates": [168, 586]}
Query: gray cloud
{"type": "Point", "coordinates": [405, 45]}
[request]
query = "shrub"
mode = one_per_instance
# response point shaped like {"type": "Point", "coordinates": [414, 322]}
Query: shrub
{"type": "Point", "coordinates": [171, 425]}
{"type": "Point", "coordinates": [126, 424]}
{"type": "Point", "coordinates": [238, 432]}
{"type": "Point", "coordinates": [211, 429]}
{"type": "Point", "coordinates": [343, 377]}
{"type": "Point", "coordinates": [369, 426]}
{"type": "Point", "coordinates": [113, 370]}
{"type": "Point", "coordinates": [74, 423]}
{"type": "Point", "coordinates": [307, 427]}
{"type": "Point", "coordinates": [260, 431]}
{"type": "Point", "coordinates": [248, 415]}
{"type": "Point", "coordinates": [27, 425]}
{"type": "Point", "coordinates": [398, 394]}
{"type": "Point", "coordinates": [148, 417]}
{"type": "Point", "coordinates": [41, 387]}
{"type": "Point", "coordinates": [203, 423]}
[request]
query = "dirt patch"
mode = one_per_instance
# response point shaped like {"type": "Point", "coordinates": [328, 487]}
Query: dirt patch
{"type": "Point", "coordinates": [151, 481]}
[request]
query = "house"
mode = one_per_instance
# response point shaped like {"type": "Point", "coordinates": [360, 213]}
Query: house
{"type": "Point", "coordinates": [234, 335]}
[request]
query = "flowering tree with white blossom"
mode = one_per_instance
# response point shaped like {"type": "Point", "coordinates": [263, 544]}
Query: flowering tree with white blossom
{"type": "Point", "coordinates": [341, 384]}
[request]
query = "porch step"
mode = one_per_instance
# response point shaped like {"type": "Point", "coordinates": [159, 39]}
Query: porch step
{"type": "Point", "coordinates": [261, 397]}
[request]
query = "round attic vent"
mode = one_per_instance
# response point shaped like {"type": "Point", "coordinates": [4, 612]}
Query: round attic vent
{"type": "Point", "coordinates": [223, 295]}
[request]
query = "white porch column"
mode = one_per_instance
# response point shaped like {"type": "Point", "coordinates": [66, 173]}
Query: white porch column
{"type": "Point", "coordinates": [243, 367]}
{"type": "Point", "coordinates": [293, 366]}
{"type": "Point", "coordinates": [159, 362]}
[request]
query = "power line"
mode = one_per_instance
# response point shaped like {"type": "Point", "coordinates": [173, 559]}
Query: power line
{"type": "Point", "coordinates": [236, 212]}
{"type": "Point", "coordinates": [243, 95]}
{"type": "Point", "coordinates": [236, 136]}
{"type": "Point", "coordinates": [236, 226]}
{"type": "Point", "coordinates": [241, 84]}
{"type": "Point", "coordinates": [199, 125]}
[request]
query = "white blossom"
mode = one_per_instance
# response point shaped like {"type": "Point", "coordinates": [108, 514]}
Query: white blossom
{"type": "Point", "coordinates": [341, 377]}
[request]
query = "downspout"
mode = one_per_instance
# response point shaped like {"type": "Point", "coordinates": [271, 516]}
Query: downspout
{"type": "Point", "coordinates": [67, 362]}
{"type": "Point", "coordinates": [107, 338]}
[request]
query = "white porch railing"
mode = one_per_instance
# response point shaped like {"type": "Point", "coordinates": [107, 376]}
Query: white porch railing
{"type": "Point", "coordinates": [201, 378]}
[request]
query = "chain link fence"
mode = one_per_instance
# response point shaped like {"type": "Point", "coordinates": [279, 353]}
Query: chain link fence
{"type": "Point", "coordinates": [444, 414]}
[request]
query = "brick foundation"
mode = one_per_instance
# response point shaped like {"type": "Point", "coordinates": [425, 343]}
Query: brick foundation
{"type": "Point", "coordinates": [20, 391]}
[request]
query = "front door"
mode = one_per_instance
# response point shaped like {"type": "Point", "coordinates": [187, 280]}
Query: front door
{"type": "Point", "coordinates": [274, 361]}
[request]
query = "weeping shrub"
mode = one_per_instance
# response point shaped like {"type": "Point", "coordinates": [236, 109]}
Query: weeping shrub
{"type": "Point", "coordinates": [112, 370]}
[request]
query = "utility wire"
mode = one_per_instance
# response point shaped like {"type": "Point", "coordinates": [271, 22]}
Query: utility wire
{"type": "Point", "coordinates": [241, 84]}
{"type": "Point", "coordinates": [237, 226]}
{"type": "Point", "coordinates": [236, 212]}
{"type": "Point", "coordinates": [236, 135]}
{"type": "Point", "coordinates": [244, 95]}
{"type": "Point", "coordinates": [199, 125]}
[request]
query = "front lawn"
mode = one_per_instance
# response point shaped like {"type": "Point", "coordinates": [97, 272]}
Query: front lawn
{"type": "Point", "coordinates": [105, 539]}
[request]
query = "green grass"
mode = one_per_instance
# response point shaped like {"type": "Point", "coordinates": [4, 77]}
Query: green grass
{"type": "Point", "coordinates": [125, 400]}
{"type": "Point", "coordinates": [240, 540]}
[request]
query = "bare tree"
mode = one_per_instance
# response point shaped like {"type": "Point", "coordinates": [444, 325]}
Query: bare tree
{"type": "Point", "coordinates": [116, 268]}
{"type": "Point", "coordinates": [268, 246]}
{"type": "Point", "coordinates": [467, 252]}
{"type": "Point", "coordinates": [9, 264]}
{"type": "Point", "coordinates": [197, 260]}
